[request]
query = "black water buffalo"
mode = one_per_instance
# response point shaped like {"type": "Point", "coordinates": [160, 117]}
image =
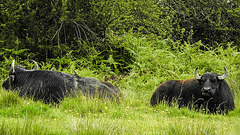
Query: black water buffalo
{"type": "Point", "coordinates": [209, 92]}
{"type": "Point", "coordinates": [52, 86]}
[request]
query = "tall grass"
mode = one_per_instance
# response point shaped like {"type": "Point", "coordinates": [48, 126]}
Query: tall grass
{"type": "Point", "coordinates": [155, 62]}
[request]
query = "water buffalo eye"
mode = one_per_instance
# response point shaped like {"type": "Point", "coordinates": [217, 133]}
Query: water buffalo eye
{"type": "Point", "coordinates": [201, 81]}
{"type": "Point", "coordinates": [214, 80]}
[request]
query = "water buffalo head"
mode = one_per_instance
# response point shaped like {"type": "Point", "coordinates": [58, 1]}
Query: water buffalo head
{"type": "Point", "coordinates": [209, 82]}
{"type": "Point", "coordinates": [13, 72]}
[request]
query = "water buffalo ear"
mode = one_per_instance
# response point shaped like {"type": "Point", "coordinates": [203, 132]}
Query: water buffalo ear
{"type": "Point", "coordinates": [222, 77]}
{"type": "Point", "coordinates": [12, 76]}
{"type": "Point", "coordinates": [197, 76]}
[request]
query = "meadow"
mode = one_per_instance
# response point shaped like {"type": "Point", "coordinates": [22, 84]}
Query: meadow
{"type": "Point", "coordinates": [155, 63]}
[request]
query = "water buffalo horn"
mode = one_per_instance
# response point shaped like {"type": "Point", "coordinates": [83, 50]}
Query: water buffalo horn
{"type": "Point", "coordinates": [75, 73]}
{"type": "Point", "coordinates": [13, 65]}
{"type": "Point", "coordinates": [197, 76]}
{"type": "Point", "coordinates": [222, 77]}
{"type": "Point", "coordinates": [35, 66]}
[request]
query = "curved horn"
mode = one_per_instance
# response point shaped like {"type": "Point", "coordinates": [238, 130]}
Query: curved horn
{"type": "Point", "coordinates": [75, 73]}
{"type": "Point", "coordinates": [13, 66]}
{"type": "Point", "coordinates": [35, 67]}
{"type": "Point", "coordinates": [222, 77]}
{"type": "Point", "coordinates": [197, 76]}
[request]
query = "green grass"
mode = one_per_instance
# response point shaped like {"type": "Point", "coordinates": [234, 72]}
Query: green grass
{"type": "Point", "coordinates": [154, 64]}
{"type": "Point", "coordinates": [132, 115]}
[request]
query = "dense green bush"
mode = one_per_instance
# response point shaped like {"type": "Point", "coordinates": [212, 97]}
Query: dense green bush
{"type": "Point", "coordinates": [212, 21]}
{"type": "Point", "coordinates": [45, 30]}
{"type": "Point", "coordinates": [94, 32]}
{"type": "Point", "coordinates": [28, 24]}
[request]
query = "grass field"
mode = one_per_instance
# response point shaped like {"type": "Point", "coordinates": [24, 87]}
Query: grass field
{"type": "Point", "coordinates": [133, 114]}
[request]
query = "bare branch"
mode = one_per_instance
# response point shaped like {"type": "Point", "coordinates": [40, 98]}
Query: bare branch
{"type": "Point", "coordinates": [58, 31]}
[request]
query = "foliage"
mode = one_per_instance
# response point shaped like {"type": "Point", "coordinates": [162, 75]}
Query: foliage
{"type": "Point", "coordinates": [27, 24]}
{"type": "Point", "coordinates": [208, 21]}
{"type": "Point", "coordinates": [95, 31]}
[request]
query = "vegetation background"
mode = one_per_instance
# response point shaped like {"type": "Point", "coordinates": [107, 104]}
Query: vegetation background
{"type": "Point", "coordinates": [135, 45]}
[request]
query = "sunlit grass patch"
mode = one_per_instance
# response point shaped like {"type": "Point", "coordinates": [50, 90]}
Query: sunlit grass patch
{"type": "Point", "coordinates": [9, 98]}
{"type": "Point", "coordinates": [85, 105]}
{"type": "Point", "coordinates": [190, 127]}
{"type": "Point", "coordinates": [25, 110]}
